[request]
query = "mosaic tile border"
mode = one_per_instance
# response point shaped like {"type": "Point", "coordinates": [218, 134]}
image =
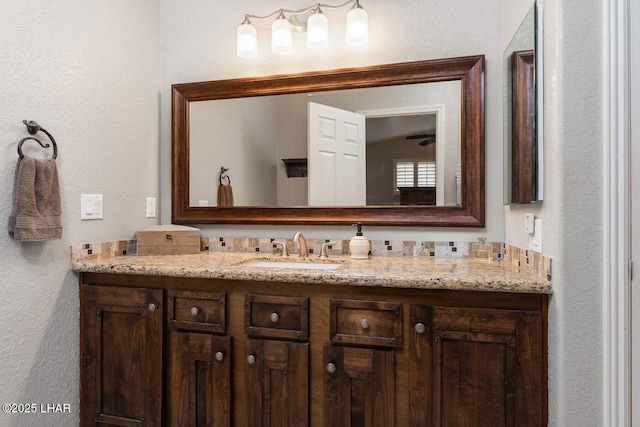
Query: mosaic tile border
{"type": "Point", "coordinates": [530, 261]}
{"type": "Point", "coordinates": [102, 250]}
{"type": "Point", "coordinates": [437, 249]}
{"type": "Point", "coordinates": [526, 260]}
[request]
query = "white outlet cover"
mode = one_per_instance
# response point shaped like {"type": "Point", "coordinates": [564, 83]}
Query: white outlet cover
{"type": "Point", "coordinates": [535, 239]}
{"type": "Point", "coordinates": [151, 207]}
{"type": "Point", "coordinates": [529, 223]}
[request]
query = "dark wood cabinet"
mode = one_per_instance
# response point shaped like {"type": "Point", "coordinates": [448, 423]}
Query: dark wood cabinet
{"type": "Point", "coordinates": [277, 383]}
{"type": "Point", "coordinates": [476, 367]}
{"type": "Point", "coordinates": [121, 356]}
{"type": "Point", "coordinates": [199, 380]}
{"type": "Point", "coordinates": [417, 195]}
{"type": "Point", "coordinates": [359, 387]}
{"type": "Point", "coordinates": [165, 351]}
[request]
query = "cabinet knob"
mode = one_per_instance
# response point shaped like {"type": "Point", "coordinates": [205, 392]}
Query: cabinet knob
{"type": "Point", "coordinates": [194, 311]}
{"type": "Point", "coordinates": [331, 368]}
{"type": "Point", "coordinates": [365, 324]}
{"type": "Point", "coordinates": [420, 328]}
{"type": "Point", "coordinates": [219, 356]}
{"type": "Point", "coordinates": [274, 317]}
{"type": "Point", "coordinates": [251, 359]}
{"type": "Point", "coordinates": [152, 307]}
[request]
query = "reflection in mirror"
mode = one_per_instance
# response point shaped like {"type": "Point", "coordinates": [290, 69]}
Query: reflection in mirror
{"type": "Point", "coordinates": [254, 154]}
{"type": "Point", "coordinates": [523, 113]}
{"type": "Point", "coordinates": [412, 147]}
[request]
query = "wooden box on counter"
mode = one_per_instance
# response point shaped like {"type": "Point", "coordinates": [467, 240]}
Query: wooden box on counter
{"type": "Point", "coordinates": [168, 240]}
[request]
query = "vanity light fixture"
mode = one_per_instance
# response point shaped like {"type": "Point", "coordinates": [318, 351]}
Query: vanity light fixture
{"type": "Point", "coordinates": [317, 28]}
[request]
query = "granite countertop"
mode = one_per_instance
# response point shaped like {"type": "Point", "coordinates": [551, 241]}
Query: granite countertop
{"type": "Point", "coordinates": [467, 274]}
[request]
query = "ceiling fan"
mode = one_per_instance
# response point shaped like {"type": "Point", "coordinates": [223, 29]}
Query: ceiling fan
{"type": "Point", "coordinates": [427, 138]}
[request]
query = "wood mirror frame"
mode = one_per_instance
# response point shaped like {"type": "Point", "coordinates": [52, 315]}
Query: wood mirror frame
{"type": "Point", "coordinates": [468, 70]}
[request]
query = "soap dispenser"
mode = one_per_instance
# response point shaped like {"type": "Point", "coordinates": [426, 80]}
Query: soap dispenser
{"type": "Point", "coordinates": [359, 245]}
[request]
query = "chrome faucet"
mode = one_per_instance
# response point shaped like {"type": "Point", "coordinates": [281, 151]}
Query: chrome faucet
{"type": "Point", "coordinates": [302, 243]}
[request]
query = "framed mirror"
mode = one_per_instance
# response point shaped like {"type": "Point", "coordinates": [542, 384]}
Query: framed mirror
{"type": "Point", "coordinates": [523, 112]}
{"type": "Point", "coordinates": [206, 137]}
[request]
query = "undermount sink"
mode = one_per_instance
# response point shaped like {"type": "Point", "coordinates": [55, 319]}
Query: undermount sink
{"type": "Point", "coordinates": [293, 265]}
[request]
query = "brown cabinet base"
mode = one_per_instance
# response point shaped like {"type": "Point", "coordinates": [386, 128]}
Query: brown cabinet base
{"type": "Point", "coordinates": [488, 366]}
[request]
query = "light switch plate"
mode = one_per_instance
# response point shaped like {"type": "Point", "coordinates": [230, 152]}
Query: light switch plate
{"type": "Point", "coordinates": [91, 206]}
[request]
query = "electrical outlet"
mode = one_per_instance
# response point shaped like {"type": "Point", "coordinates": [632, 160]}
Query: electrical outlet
{"type": "Point", "coordinates": [151, 207]}
{"type": "Point", "coordinates": [535, 239]}
{"type": "Point", "coordinates": [529, 223]}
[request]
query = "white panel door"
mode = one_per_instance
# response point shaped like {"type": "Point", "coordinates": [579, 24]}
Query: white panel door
{"type": "Point", "coordinates": [337, 157]}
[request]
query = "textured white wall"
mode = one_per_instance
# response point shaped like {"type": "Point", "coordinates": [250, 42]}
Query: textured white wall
{"type": "Point", "coordinates": [572, 210]}
{"type": "Point", "coordinates": [89, 72]}
{"type": "Point", "coordinates": [199, 44]}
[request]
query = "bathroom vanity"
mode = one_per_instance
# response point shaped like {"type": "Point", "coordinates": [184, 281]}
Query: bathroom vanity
{"type": "Point", "coordinates": [209, 340]}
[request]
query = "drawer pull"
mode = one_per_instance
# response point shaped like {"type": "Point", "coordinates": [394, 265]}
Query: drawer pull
{"type": "Point", "coordinates": [251, 359]}
{"type": "Point", "coordinates": [219, 356]}
{"type": "Point", "coordinates": [331, 368]}
{"type": "Point", "coordinates": [420, 328]}
{"type": "Point", "coordinates": [195, 311]}
{"type": "Point", "coordinates": [365, 324]}
{"type": "Point", "coordinates": [274, 317]}
{"type": "Point", "coordinates": [152, 307]}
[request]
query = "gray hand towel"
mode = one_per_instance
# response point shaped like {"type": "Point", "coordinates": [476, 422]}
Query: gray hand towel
{"type": "Point", "coordinates": [35, 215]}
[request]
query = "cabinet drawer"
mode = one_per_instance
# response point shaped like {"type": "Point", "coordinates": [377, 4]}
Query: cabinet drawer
{"type": "Point", "coordinates": [197, 311]}
{"type": "Point", "coordinates": [270, 316]}
{"type": "Point", "coordinates": [371, 323]}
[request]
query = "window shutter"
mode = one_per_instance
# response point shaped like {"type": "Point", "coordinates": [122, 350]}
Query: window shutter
{"type": "Point", "coordinates": [404, 174]}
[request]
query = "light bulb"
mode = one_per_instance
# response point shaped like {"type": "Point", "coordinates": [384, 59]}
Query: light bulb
{"type": "Point", "coordinates": [281, 37]}
{"type": "Point", "coordinates": [247, 41]}
{"type": "Point", "coordinates": [317, 31]}
{"type": "Point", "coordinates": [357, 26]}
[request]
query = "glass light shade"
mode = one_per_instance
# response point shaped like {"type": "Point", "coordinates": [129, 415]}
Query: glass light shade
{"type": "Point", "coordinates": [281, 38]}
{"type": "Point", "coordinates": [317, 32]}
{"type": "Point", "coordinates": [357, 27]}
{"type": "Point", "coordinates": [247, 41]}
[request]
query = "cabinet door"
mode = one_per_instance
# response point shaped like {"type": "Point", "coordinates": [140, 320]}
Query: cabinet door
{"type": "Point", "coordinates": [277, 383]}
{"type": "Point", "coordinates": [475, 367]}
{"type": "Point", "coordinates": [358, 387]}
{"type": "Point", "coordinates": [199, 386]}
{"type": "Point", "coordinates": [121, 356]}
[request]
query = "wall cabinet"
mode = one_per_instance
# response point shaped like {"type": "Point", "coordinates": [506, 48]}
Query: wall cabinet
{"type": "Point", "coordinates": [161, 351]}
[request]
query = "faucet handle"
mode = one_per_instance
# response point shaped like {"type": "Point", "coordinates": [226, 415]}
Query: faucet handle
{"type": "Point", "coordinates": [285, 253]}
{"type": "Point", "coordinates": [323, 251]}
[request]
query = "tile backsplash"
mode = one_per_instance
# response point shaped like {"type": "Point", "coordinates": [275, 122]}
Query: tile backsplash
{"type": "Point", "coordinates": [447, 249]}
{"type": "Point", "coordinates": [526, 261]}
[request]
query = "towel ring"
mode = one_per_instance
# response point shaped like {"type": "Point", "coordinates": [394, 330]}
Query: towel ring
{"type": "Point", "coordinates": [222, 175]}
{"type": "Point", "coordinates": [33, 128]}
